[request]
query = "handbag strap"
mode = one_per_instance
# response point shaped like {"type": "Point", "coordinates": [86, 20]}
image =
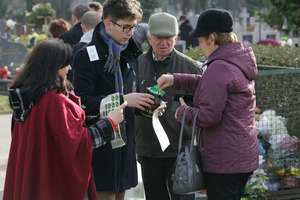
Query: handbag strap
{"type": "Point", "coordinates": [194, 127]}
{"type": "Point", "coordinates": [182, 128]}
{"type": "Point", "coordinates": [181, 131]}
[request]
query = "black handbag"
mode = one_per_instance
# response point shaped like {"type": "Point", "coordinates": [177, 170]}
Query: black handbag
{"type": "Point", "coordinates": [188, 174]}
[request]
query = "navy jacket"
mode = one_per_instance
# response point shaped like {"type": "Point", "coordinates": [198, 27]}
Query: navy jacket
{"type": "Point", "coordinates": [114, 170]}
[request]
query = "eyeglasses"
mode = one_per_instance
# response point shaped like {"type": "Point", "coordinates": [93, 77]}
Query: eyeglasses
{"type": "Point", "coordinates": [125, 28]}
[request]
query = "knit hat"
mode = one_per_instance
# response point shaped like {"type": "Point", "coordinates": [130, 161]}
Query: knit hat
{"type": "Point", "coordinates": [213, 20]}
{"type": "Point", "coordinates": [163, 25]}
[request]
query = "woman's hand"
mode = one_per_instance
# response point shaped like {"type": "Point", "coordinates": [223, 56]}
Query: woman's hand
{"type": "Point", "coordinates": [182, 103]}
{"type": "Point", "coordinates": [117, 114]}
{"type": "Point", "coordinates": [165, 80]}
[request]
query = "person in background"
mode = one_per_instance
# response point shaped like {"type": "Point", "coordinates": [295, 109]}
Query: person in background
{"type": "Point", "coordinates": [51, 150]}
{"type": "Point", "coordinates": [140, 34]}
{"type": "Point", "coordinates": [162, 57]}
{"type": "Point", "coordinates": [185, 30]}
{"type": "Point", "coordinates": [73, 36]}
{"type": "Point", "coordinates": [106, 66]}
{"type": "Point", "coordinates": [225, 99]}
{"type": "Point", "coordinates": [4, 73]}
{"type": "Point", "coordinates": [96, 6]}
{"type": "Point", "coordinates": [58, 26]}
{"type": "Point", "coordinates": [88, 22]}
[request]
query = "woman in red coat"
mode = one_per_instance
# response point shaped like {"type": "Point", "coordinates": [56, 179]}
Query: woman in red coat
{"type": "Point", "coordinates": [51, 149]}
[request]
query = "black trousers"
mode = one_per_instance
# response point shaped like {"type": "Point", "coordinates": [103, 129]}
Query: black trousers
{"type": "Point", "coordinates": [226, 186]}
{"type": "Point", "coordinates": [156, 174]}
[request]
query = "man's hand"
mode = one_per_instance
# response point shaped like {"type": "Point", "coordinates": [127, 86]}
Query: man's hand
{"type": "Point", "coordinates": [139, 100]}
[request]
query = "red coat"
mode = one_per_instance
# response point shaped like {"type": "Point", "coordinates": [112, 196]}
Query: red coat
{"type": "Point", "coordinates": [51, 153]}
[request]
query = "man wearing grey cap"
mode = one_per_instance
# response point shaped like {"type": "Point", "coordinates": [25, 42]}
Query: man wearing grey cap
{"type": "Point", "coordinates": [158, 166]}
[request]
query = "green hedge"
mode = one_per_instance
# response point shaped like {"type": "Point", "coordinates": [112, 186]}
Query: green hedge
{"type": "Point", "coordinates": [265, 55]}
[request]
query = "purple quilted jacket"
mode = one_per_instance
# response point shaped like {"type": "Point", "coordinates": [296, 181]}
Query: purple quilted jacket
{"type": "Point", "coordinates": [225, 96]}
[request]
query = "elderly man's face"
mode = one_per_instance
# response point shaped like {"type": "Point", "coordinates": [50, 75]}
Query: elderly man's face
{"type": "Point", "coordinates": [162, 46]}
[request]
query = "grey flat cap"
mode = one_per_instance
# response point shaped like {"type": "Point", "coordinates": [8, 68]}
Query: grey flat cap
{"type": "Point", "coordinates": [163, 25]}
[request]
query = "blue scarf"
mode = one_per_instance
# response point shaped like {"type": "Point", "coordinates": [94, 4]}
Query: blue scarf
{"type": "Point", "coordinates": [112, 64]}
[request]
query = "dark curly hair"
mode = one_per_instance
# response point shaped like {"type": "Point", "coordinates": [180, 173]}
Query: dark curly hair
{"type": "Point", "coordinates": [122, 9]}
{"type": "Point", "coordinates": [39, 73]}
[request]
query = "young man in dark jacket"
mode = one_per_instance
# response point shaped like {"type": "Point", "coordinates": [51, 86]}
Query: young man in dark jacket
{"type": "Point", "coordinates": [104, 67]}
{"type": "Point", "coordinates": [157, 166]}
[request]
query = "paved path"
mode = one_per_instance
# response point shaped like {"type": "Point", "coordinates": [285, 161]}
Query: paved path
{"type": "Point", "coordinates": [4, 147]}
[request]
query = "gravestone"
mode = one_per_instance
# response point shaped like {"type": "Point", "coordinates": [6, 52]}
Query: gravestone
{"type": "Point", "coordinates": [11, 53]}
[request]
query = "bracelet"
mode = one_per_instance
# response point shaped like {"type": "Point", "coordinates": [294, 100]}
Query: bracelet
{"type": "Point", "coordinates": [113, 123]}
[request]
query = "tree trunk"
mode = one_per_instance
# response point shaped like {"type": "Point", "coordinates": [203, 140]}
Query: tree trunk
{"type": "Point", "coordinates": [29, 5]}
{"type": "Point", "coordinates": [185, 6]}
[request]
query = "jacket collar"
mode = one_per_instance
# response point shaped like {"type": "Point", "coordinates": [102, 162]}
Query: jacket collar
{"type": "Point", "coordinates": [164, 62]}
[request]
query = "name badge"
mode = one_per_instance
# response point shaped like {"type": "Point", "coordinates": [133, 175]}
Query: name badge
{"type": "Point", "coordinates": [92, 52]}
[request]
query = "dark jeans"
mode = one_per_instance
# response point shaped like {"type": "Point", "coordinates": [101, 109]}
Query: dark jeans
{"type": "Point", "coordinates": [226, 186]}
{"type": "Point", "coordinates": [156, 173]}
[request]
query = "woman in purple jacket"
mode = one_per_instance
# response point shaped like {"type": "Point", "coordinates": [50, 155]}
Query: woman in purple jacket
{"type": "Point", "coordinates": [225, 97]}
